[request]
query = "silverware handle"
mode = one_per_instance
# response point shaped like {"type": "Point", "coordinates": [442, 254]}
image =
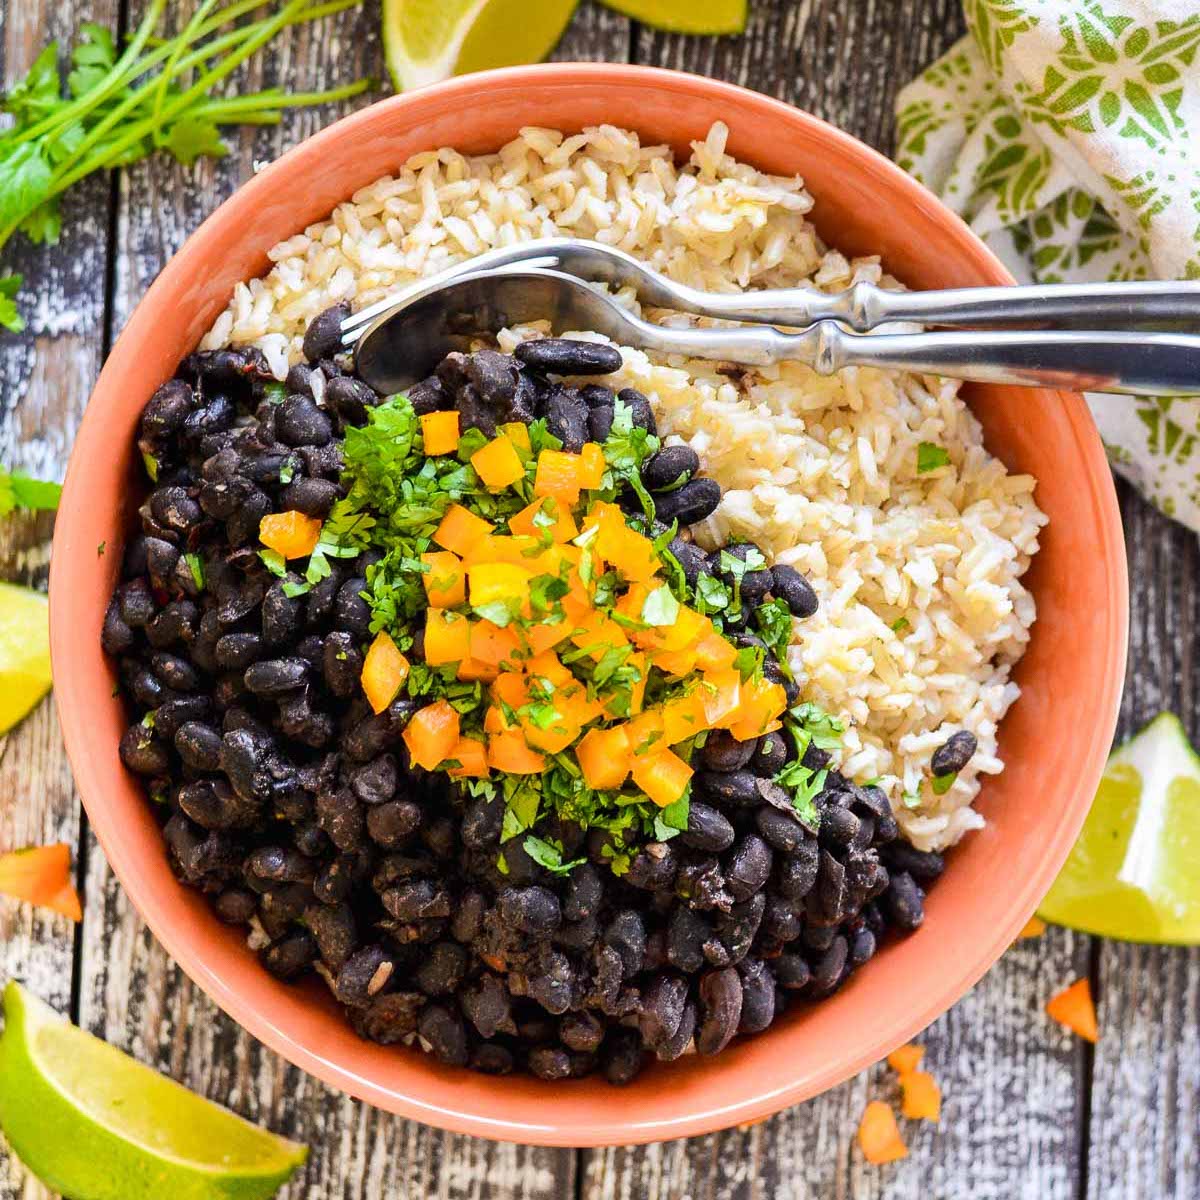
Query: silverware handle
{"type": "Point", "coordinates": [1088, 306]}
{"type": "Point", "coordinates": [1139, 364]}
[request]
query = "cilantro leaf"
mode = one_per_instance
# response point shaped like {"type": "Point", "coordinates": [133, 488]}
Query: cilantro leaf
{"type": "Point", "coordinates": [18, 490]}
{"type": "Point", "coordinates": [774, 621]}
{"type": "Point", "coordinates": [548, 853]}
{"type": "Point", "coordinates": [660, 608]}
{"type": "Point", "coordinates": [930, 456]}
{"type": "Point", "coordinates": [943, 783]}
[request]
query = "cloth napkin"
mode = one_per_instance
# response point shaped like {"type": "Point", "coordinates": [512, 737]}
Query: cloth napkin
{"type": "Point", "coordinates": [1067, 134]}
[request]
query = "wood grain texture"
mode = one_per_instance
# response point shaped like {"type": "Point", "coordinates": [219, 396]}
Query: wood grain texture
{"type": "Point", "coordinates": [46, 373]}
{"type": "Point", "coordinates": [1028, 1113]}
{"type": "Point", "coordinates": [1145, 1128]}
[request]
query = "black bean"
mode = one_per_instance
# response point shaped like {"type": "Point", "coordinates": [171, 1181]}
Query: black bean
{"type": "Point", "coordinates": [780, 829]}
{"type": "Point", "coordinates": [299, 422]}
{"type": "Point", "coordinates": [147, 688]}
{"type": "Point", "coordinates": [487, 1004]}
{"type": "Point", "coordinates": [334, 882]}
{"type": "Point", "coordinates": [695, 501]}
{"type": "Point", "coordinates": [721, 1009]}
{"type": "Point", "coordinates": [391, 1017]}
{"type": "Point", "coordinates": [653, 868]}
{"type": "Point", "coordinates": [166, 410]}
{"type": "Point", "coordinates": [600, 422]}
{"type": "Point", "coordinates": [794, 590]}
{"type": "Point", "coordinates": [351, 612]}
{"type": "Point", "coordinates": [429, 396]}
{"type": "Point", "coordinates": [281, 614]}
{"type": "Point", "coordinates": [341, 663]}
{"type": "Point", "coordinates": [174, 672]}
{"type": "Point", "coordinates": [235, 905]}
{"type": "Point", "coordinates": [175, 623]}
{"type": "Point", "coordinates": [530, 909]}
{"type": "Point", "coordinates": [161, 560]}
{"type": "Point", "coordinates": [350, 398]}
{"type": "Point", "coordinates": [621, 1056]}
{"type": "Point", "coordinates": [550, 1063]}
{"type": "Point", "coordinates": [275, 676]}
{"type": "Point", "coordinates": [749, 867]}
{"type": "Point", "coordinates": [278, 864]}
{"type": "Point", "coordinates": [215, 417]}
{"type": "Point", "coordinates": [174, 509]}
{"type": "Point", "coordinates": [839, 827]}
{"type": "Point", "coordinates": [569, 356]}
{"type": "Point", "coordinates": [364, 974]}
{"type": "Point", "coordinates": [922, 865]}
{"type": "Point", "coordinates": [323, 337]}
{"type": "Point", "coordinates": [312, 497]}
{"type": "Point", "coordinates": [770, 756]}
{"type": "Point", "coordinates": [827, 972]}
{"type": "Point", "coordinates": [242, 525]}
{"type": "Point", "coordinates": [236, 651]}
{"type": "Point", "coordinates": [490, 1058]}
{"type": "Point", "coordinates": [370, 737]}
{"type": "Point", "coordinates": [904, 902]}
{"type": "Point", "coordinates": [199, 746]}
{"type": "Point", "coordinates": [724, 753]}
{"type": "Point", "coordinates": [758, 996]}
{"type": "Point", "coordinates": [862, 947]}
{"type": "Point", "coordinates": [671, 467]}
{"type": "Point", "coordinates": [142, 752]}
{"type": "Point", "coordinates": [551, 982]}
{"type": "Point", "coordinates": [416, 900]}
{"type": "Point", "coordinates": [445, 1035]}
{"type": "Point", "coordinates": [687, 932]}
{"type": "Point", "coordinates": [640, 412]}
{"type": "Point", "coordinates": [567, 420]}
{"type": "Point", "coordinates": [335, 931]}
{"type": "Point", "coordinates": [391, 824]}
{"type": "Point", "coordinates": [341, 816]}
{"type": "Point", "coordinates": [115, 636]}
{"type": "Point", "coordinates": [690, 557]}
{"type": "Point", "coordinates": [677, 1044]}
{"type": "Point", "coordinates": [792, 972]}
{"type": "Point", "coordinates": [136, 603]}
{"type": "Point", "coordinates": [663, 1003]}
{"type": "Point", "coordinates": [701, 884]}
{"type": "Point", "coordinates": [312, 842]}
{"type": "Point", "coordinates": [954, 753]}
{"type": "Point", "coordinates": [626, 934]}
{"type": "Point", "coordinates": [738, 788]}
{"type": "Point", "coordinates": [826, 902]}
{"type": "Point", "coordinates": [442, 969]}
{"type": "Point", "coordinates": [707, 829]}
{"type": "Point", "coordinates": [781, 921]}
{"type": "Point", "coordinates": [290, 955]}
{"type": "Point", "coordinates": [171, 714]}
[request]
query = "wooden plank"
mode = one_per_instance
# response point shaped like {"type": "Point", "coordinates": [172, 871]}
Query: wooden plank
{"type": "Point", "coordinates": [46, 373]}
{"type": "Point", "coordinates": [1012, 1080]}
{"type": "Point", "coordinates": [131, 993]}
{"type": "Point", "coordinates": [1144, 1136]}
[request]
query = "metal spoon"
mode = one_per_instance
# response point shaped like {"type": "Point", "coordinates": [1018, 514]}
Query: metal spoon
{"type": "Point", "coordinates": [1127, 306]}
{"type": "Point", "coordinates": [406, 342]}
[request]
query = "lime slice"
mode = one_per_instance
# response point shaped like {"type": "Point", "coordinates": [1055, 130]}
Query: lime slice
{"type": "Point", "coordinates": [24, 652]}
{"type": "Point", "coordinates": [686, 16]}
{"type": "Point", "coordinates": [95, 1125]}
{"type": "Point", "coordinates": [428, 40]}
{"type": "Point", "coordinates": [1135, 871]}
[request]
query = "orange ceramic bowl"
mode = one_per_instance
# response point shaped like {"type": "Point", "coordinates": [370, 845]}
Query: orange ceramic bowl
{"type": "Point", "coordinates": [1070, 677]}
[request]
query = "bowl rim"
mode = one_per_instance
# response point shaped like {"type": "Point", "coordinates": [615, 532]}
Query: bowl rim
{"type": "Point", "coordinates": [72, 703]}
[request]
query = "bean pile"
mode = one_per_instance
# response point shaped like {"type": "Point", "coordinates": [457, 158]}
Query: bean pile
{"type": "Point", "coordinates": [295, 810]}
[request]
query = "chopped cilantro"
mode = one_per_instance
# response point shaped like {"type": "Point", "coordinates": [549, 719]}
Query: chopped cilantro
{"type": "Point", "coordinates": [196, 566]}
{"type": "Point", "coordinates": [548, 852]}
{"type": "Point", "coordinates": [774, 621]}
{"type": "Point", "coordinates": [943, 783]}
{"type": "Point", "coordinates": [660, 607]}
{"type": "Point", "coordinates": [901, 625]}
{"type": "Point", "coordinates": [930, 456]}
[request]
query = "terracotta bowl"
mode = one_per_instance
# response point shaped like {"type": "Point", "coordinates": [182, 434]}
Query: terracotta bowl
{"type": "Point", "coordinates": [1054, 740]}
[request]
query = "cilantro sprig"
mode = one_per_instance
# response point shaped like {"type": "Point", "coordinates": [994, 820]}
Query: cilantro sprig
{"type": "Point", "coordinates": [114, 108]}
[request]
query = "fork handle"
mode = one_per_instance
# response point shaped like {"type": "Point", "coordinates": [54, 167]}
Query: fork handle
{"type": "Point", "coordinates": [1153, 305]}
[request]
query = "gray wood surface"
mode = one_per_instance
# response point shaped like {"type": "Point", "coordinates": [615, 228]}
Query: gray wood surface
{"type": "Point", "coordinates": [1029, 1111]}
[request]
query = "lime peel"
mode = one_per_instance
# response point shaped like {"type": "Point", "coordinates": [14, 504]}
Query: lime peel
{"type": "Point", "coordinates": [24, 652]}
{"type": "Point", "coordinates": [94, 1124]}
{"type": "Point", "coordinates": [685, 16]}
{"type": "Point", "coordinates": [1134, 873]}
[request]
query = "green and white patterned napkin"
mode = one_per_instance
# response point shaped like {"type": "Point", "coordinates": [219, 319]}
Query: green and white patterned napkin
{"type": "Point", "coordinates": [1067, 134]}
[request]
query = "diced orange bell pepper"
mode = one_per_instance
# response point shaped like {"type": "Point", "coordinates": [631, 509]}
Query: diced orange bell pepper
{"type": "Point", "coordinates": [460, 529]}
{"type": "Point", "coordinates": [518, 551]}
{"type": "Point", "coordinates": [446, 580]}
{"type": "Point", "coordinates": [555, 737]}
{"type": "Point", "coordinates": [432, 734]}
{"type": "Point", "coordinates": [721, 698]}
{"type": "Point", "coordinates": [549, 666]}
{"type": "Point", "coordinates": [384, 671]}
{"type": "Point", "coordinates": [492, 644]}
{"type": "Point", "coordinates": [546, 635]}
{"type": "Point", "coordinates": [591, 467]}
{"type": "Point", "coordinates": [1073, 1008]}
{"type": "Point", "coordinates": [762, 704]}
{"type": "Point", "coordinates": [508, 752]}
{"type": "Point", "coordinates": [631, 553]}
{"type": "Point", "coordinates": [472, 670]}
{"type": "Point", "coordinates": [439, 431]}
{"type": "Point", "coordinates": [511, 688]}
{"type": "Point", "coordinates": [557, 475]}
{"type": "Point", "coordinates": [447, 637]}
{"type": "Point", "coordinates": [662, 775]}
{"type": "Point", "coordinates": [645, 732]}
{"type": "Point", "coordinates": [921, 1098]}
{"type": "Point", "coordinates": [683, 717]}
{"type": "Point", "coordinates": [494, 720]}
{"type": "Point", "coordinates": [517, 432]}
{"type": "Point", "coordinates": [906, 1058]}
{"type": "Point", "coordinates": [598, 634]}
{"type": "Point", "coordinates": [490, 582]}
{"type": "Point", "coordinates": [604, 757]}
{"type": "Point", "coordinates": [471, 755]}
{"type": "Point", "coordinates": [41, 875]}
{"type": "Point", "coordinates": [714, 653]}
{"type": "Point", "coordinates": [290, 533]}
{"type": "Point", "coordinates": [686, 630]}
{"type": "Point", "coordinates": [562, 530]}
{"type": "Point", "coordinates": [878, 1135]}
{"type": "Point", "coordinates": [675, 662]}
{"type": "Point", "coordinates": [498, 464]}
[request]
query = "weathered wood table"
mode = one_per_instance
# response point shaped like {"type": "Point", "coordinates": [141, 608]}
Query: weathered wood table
{"type": "Point", "coordinates": [1029, 1111]}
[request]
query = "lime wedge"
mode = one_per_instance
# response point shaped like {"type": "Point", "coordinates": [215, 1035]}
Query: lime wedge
{"type": "Point", "coordinates": [428, 40]}
{"type": "Point", "coordinates": [685, 16]}
{"type": "Point", "coordinates": [95, 1125]}
{"type": "Point", "coordinates": [24, 652]}
{"type": "Point", "coordinates": [1135, 871]}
